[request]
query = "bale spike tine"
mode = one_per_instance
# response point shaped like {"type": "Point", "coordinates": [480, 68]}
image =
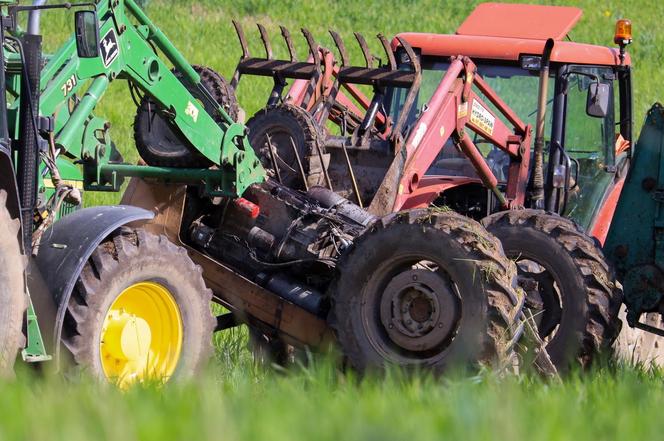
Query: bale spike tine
{"type": "Point", "coordinates": [265, 37]}
{"type": "Point", "coordinates": [339, 43]}
{"type": "Point", "coordinates": [368, 58]}
{"type": "Point", "coordinates": [313, 47]}
{"type": "Point", "coordinates": [412, 92]}
{"type": "Point", "coordinates": [388, 51]}
{"type": "Point", "coordinates": [289, 43]}
{"type": "Point", "coordinates": [414, 61]}
{"type": "Point", "coordinates": [243, 41]}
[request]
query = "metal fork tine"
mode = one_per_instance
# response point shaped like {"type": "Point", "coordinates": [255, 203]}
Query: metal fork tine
{"type": "Point", "coordinates": [339, 42]}
{"type": "Point", "coordinates": [289, 43]}
{"type": "Point", "coordinates": [414, 61]}
{"type": "Point", "coordinates": [388, 51]}
{"type": "Point", "coordinates": [368, 58]}
{"type": "Point", "coordinates": [313, 47]}
{"type": "Point", "coordinates": [265, 37]}
{"type": "Point", "coordinates": [412, 92]}
{"type": "Point", "coordinates": [243, 40]}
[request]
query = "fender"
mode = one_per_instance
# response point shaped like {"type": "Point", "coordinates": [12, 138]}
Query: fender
{"type": "Point", "coordinates": [66, 247]}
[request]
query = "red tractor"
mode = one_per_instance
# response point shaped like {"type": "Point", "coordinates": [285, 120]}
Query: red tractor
{"type": "Point", "coordinates": [450, 124]}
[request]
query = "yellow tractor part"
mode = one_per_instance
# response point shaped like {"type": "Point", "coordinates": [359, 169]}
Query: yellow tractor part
{"type": "Point", "coordinates": [141, 338]}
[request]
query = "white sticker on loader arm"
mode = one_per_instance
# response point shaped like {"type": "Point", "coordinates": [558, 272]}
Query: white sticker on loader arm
{"type": "Point", "coordinates": [419, 134]}
{"type": "Point", "coordinates": [482, 118]}
{"type": "Point", "coordinates": [192, 111]}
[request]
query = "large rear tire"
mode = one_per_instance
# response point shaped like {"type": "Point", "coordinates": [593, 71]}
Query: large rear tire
{"type": "Point", "coordinates": [423, 289]}
{"type": "Point", "coordinates": [282, 124]}
{"type": "Point", "coordinates": [140, 311]}
{"type": "Point", "coordinates": [568, 282]}
{"type": "Point", "coordinates": [161, 144]}
{"type": "Point", "coordinates": [12, 289]}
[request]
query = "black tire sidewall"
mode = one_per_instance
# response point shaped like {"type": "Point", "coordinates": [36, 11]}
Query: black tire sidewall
{"type": "Point", "coordinates": [467, 344]}
{"type": "Point", "coordinates": [295, 122]}
{"type": "Point", "coordinates": [524, 242]}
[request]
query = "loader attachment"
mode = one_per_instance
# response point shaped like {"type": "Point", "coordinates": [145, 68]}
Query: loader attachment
{"type": "Point", "coordinates": [279, 70]}
{"type": "Point", "coordinates": [320, 79]}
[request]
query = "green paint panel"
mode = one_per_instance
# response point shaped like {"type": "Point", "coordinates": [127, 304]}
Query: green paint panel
{"type": "Point", "coordinates": [635, 243]}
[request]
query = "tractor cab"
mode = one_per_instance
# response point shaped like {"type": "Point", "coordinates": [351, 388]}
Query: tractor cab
{"type": "Point", "coordinates": [588, 128]}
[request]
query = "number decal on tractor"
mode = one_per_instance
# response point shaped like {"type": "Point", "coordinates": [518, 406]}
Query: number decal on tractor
{"type": "Point", "coordinates": [69, 85]}
{"type": "Point", "coordinates": [482, 118]}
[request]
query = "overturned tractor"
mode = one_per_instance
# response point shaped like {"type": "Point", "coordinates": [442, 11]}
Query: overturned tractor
{"type": "Point", "coordinates": [454, 123]}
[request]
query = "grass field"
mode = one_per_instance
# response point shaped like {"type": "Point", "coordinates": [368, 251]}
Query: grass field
{"type": "Point", "coordinates": [237, 400]}
{"type": "Point", "coordinates": [320, 404]}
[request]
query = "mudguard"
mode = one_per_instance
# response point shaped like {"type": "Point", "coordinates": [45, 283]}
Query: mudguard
{"type": "Point", "coordinates": [65, 248]}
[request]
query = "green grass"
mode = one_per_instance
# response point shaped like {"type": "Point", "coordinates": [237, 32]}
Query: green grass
{"type": "Point", "coordinates": [237, 399]}
{"type": "Point", "coordinates": [321, 404]}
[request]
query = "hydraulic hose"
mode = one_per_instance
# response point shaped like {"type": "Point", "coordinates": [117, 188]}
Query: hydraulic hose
{"type": "Point", "coordinates": [28, 152]}
{"type": "Point", "coordinates": [537, 179]}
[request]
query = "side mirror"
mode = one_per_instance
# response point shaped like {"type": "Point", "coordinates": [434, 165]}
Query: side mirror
{"type": "Point", "coordinates": [597, 103]}
{"type": "Point", "coordinates": [87, 34]}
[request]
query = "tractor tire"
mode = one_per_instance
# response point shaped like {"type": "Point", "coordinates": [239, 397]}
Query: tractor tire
{"type": "Point", "coordinates": [283, 123]}
{"type": "Point", "coordinates": [567, 280]}
{"type": "Point", "coordinates": [140, 311]}
{"type": "Point", "coordinates": [12, 290]}
{"type": "Point", "coordinates": [161, 144]}
{"type": "Point", "coordinates": [425, 290]}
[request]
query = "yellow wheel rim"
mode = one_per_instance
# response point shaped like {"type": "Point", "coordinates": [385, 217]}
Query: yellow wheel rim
{"type": "Point", "coordinates": [141, 338]}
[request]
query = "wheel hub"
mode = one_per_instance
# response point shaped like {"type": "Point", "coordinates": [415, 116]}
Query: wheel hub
{"type": "Point", "coordinates": [141, 336]}
{"type": "Point", "coordinates": [419, 310]}
{"type": "Point", "coordinates": [127, 337]}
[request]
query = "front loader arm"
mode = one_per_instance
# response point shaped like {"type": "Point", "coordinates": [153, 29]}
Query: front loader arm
{"type": "Point", "coordinates": [128, 50]}
{"type": "Point", "coordinates": [454, 107]}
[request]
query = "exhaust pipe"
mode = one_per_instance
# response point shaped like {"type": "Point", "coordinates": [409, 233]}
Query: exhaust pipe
{"type": "Point", "coordinates": [537, 179]}
{"type": "Point", "coordinates": [34, 18]}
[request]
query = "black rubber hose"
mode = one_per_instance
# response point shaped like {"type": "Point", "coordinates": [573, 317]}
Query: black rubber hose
{"type": "Point", "coordinates": [28, 147]}
{"type": "Point", "coordinates": [537, 182]}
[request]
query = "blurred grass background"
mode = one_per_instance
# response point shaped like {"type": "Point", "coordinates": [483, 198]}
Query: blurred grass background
{"type": "Point", "coordinates": [318, 403]}
{"type": "Point", "coordinates": [237, 399]}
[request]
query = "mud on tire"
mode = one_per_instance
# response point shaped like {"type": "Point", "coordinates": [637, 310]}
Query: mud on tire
{"type": "Point", "coordinates": [283, 123]}
{"type": "Point", "coordinates": [129, 257]}
{"type": "Point", "coordinates": [161, 144]}
{"type": "Point", "coordinates": [376, 311]}
{"type": "Point", "coordinates": [579, 316]}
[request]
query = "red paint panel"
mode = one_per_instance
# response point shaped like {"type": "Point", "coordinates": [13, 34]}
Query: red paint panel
{"type": "Point", "coordinates": [605, 215]}
{"type": "Point", "coordinates": [431, 187]}
{"type": "Point", "coordinates": [501, 48]}
{"type": "Point", "coordinates": [520, 21]}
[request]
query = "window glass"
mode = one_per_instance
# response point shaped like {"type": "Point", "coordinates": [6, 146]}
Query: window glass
{"type": "Point", "coordinates": [590, 142]}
